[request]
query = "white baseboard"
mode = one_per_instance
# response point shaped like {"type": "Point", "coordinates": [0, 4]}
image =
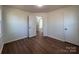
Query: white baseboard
{"type": "Point", "coordinates": [57, 38]}
{"type": "Point", "coordinates": [14, 39]}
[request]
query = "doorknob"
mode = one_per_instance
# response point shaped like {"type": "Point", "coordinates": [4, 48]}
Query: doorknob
{"type": "Point", "coordinates": [65, 29]}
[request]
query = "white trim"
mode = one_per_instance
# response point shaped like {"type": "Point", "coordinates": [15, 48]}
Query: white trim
{"type": "Point", "coordinates": [14, 40]}
{"type": "Point", "coordinates": [56, 38]}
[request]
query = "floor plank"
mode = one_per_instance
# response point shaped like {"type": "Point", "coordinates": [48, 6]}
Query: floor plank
{"type": "Point", "coordinates": [39, 45]}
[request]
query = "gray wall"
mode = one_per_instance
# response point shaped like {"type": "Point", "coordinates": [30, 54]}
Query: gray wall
{"type": "Point", "coordinates": [1, 41]}
{"type": "Point", "coordinates": [55, 24]}
{"type": "Point", "coordinates": [63, 18]}
{"type": "Point", "coordinates": [15, 24]}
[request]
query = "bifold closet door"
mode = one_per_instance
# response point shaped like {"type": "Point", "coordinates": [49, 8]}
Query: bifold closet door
{"type": "Point", "coordinates": [71, 25]}
{"type": "Point", "coordinates": [32, 26]}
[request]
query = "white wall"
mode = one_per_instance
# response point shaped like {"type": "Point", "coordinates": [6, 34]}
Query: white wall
{"type": "Point", "coordinates": [15, 24]}
{"type": "Point", "coordinates": [64, 18]}
{"type": "Point", "coordinates": [78, 24]}
{"type": "Point", "coordinates": [55, 24]}
{"type": "Point", "coordinates": [1, 42]}
{"type": "Point", "coordinates": [71, 22]}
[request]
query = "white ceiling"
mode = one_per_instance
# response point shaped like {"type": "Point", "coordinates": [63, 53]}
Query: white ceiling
{"type": "Point", "coordinates": [34, 8]}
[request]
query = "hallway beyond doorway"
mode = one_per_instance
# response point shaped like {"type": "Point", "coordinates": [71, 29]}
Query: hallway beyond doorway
{"type": "Point", "coordinates": [39, 26]}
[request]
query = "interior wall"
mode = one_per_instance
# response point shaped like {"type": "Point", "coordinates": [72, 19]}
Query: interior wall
{"type": "Point", "coordinates": [63, 18]}
{"type": "Point", "coordinates": [55, 24]}
{"type": "Point", "coordinates": [1, 41]}
{"type": "Point", "coordinates": [71, 22]}
{"type": "Point", "coordinates": [78, 22]}
{"type": "Point", "coordinates": [15, 24]}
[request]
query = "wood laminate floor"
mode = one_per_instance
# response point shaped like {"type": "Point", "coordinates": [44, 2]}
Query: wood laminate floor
{"type": "Point", "coordinates": [42, 45]}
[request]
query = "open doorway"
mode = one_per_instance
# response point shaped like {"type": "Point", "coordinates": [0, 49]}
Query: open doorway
{"type": "Point", "coordinates": [39, 26]}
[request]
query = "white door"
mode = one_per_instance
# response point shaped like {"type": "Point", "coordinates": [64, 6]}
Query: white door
{"type": "Point", "coordinates": [32, 26]}
{"type": "Point", "coordinates": [71, 25]}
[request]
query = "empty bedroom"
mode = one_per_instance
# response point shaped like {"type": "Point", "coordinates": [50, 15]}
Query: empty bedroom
{"type": "Point", "coordinates": [39, 29]}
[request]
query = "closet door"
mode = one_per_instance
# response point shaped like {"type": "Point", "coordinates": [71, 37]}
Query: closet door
{"type": "Point", "coordinates": [32, 26]}
{"type": "Point", "coordinates": [71, 25]}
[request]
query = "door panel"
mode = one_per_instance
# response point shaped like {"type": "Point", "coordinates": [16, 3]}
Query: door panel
{"type": "Point", "coordinates": [32, 26]}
